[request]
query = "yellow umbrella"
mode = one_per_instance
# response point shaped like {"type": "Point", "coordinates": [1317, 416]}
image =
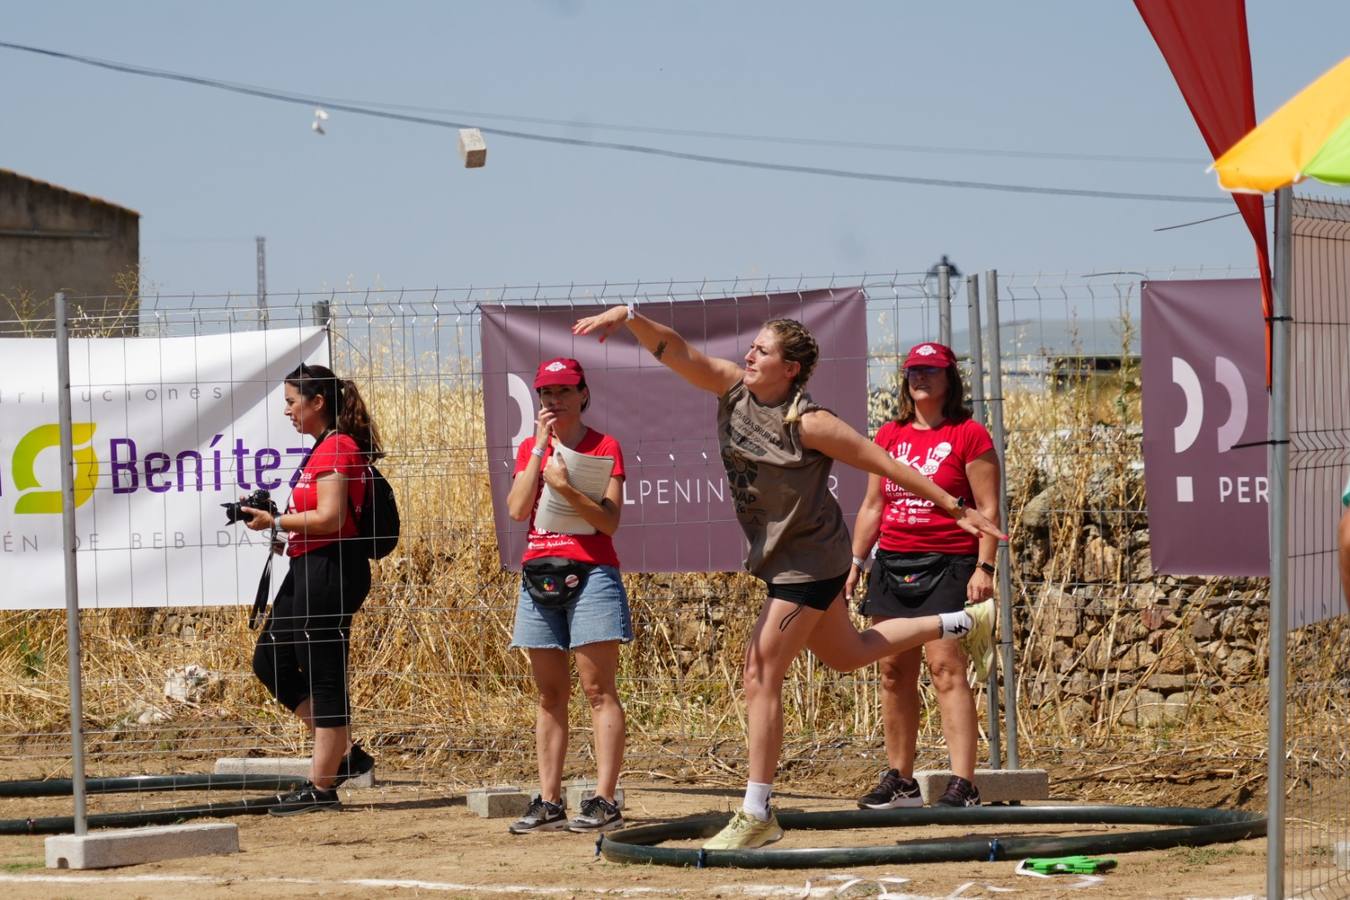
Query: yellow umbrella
{"type": "Point", "coordinates": [1308, 137]}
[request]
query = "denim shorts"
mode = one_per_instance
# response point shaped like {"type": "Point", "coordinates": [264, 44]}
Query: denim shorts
{"type": "Point", "coordinates": [599, 613]}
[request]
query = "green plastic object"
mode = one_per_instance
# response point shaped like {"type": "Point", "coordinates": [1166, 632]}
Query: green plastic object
{"type": "Point", "coordinates": [1070, 865]}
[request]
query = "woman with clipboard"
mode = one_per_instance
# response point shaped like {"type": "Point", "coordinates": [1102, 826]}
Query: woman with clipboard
{"type": "Point", "coordinates": [571, 596]}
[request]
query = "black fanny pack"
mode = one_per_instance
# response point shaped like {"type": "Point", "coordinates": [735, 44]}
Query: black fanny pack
{"type": "Point", "coordinates": [913, 575]}
{"type": "Point", "coordinates": [554, 581]}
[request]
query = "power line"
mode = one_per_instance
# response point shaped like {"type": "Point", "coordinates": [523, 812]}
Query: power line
{"type": "Point", "coordinates": [357, 109]}
{"type": "Point", "coordinates": [1203, 221]}
{"type": "Point", "coordinates": [782, 139]}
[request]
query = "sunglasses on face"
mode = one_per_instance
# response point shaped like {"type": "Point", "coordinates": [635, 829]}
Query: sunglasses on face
{"type": "Point", "coordinates": [922, 371]}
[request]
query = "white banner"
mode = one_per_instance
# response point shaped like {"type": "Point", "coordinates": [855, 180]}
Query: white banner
{"type": "Point", "coordinates": [165, 431]}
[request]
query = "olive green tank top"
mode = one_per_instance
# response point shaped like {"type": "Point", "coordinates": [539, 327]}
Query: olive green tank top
{"type": "Point", "coordinates": [781, 491]}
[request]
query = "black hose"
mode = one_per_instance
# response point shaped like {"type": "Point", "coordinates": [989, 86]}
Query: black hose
{"type": "Point", "coordinates": [1194, 827]}
{"type": "Point", "coordinates": [62, 787]}
{"type": "Point", "coordinates": [130, 784]}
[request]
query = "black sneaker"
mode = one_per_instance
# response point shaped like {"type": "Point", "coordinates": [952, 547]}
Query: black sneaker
{"type": "Point", "coordinates": [597, 814]}
{"type": "Point", "coordinates": [306, 798]}
{"type": "Point", "coordinates": [356, 763]}
{"type": "Point", "coordinates": [540, 816]}
{"type": "Point", "coordinates": [892, 792]}
{"type": "Point", "coordinates": [959, 793]}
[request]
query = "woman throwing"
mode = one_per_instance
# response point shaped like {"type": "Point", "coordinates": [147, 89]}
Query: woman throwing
{"type": "Point", "coordinates": [777, 446]}
{"type": "Point", "coordinates": [301, 656]}
{"type": "Point", "coordinates": [571, 600]}
{"type": "Point", "coordinates": [927, 565]}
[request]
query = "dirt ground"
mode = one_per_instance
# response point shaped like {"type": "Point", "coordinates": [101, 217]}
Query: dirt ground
{"type": "Point", "coordinates": [411, 840]}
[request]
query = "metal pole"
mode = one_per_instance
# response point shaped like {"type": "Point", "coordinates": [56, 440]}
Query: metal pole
{"type": "Point", "coordinates": [1004, 560]}
{"type": "Point", "coordinates": [977, 403]}
{"type": "Point", "coordinates": [1279, 540]}
{"type": "Point", "coordinates": [323, 315]}
{"type": "Point", "coordinates": [976, 349]}
{"type": "Point", "coordinates": [72, 574]}
{"type": "Point", "coordinates": [262, 280]}
{"type": "Point", "coordinates": [945, 305]}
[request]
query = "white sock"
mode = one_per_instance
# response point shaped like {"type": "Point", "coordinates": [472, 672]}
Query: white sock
{"type": "Point", "coordinates": [757, 800]}
{"type": "Point", "coordinates": [956, 624]}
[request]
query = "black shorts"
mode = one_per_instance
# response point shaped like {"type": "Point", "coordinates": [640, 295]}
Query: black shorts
{"type": "Point", "coordinates": [947, 595]}
{"type": "Point", "coordinates": [815, 594]}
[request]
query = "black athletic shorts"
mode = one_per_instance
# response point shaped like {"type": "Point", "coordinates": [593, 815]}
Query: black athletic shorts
{"type": "Point", "coordinates": [884, 600]}
{"type": "Point", "coordinates": [815, 594]}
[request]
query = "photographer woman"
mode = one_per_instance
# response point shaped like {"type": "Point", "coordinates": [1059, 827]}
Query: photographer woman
{"type": "Point", "coordinates": [571, 599]}
{"type": "Point", "coordinates": [301, 656]}
{"type": "Point", "coordinates": [927, 565]}
{"type": "Point", "coordinates": [777, 447]}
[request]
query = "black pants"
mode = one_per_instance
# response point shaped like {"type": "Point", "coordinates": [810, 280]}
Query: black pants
{"type": "Point", "coordinates": [302, 651]}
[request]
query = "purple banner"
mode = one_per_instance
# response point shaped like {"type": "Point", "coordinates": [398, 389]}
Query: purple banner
{"type": "Point", "coordinates": [677, 513]}
{"type": "Point", "coordinates": [1203, 345]}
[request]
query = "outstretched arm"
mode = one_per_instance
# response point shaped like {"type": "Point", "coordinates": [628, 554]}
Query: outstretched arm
{"type": "Point", "coordinates": [825, 432]}
{"type": "Point", "coordinates": [705, 372]}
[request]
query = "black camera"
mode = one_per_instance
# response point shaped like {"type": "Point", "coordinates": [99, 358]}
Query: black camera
{"type": "Point", "coordinates": [259, 499]}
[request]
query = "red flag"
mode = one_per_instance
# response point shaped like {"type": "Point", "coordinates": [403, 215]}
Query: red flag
{"type": "Point", "coordinates": [1205, 45]}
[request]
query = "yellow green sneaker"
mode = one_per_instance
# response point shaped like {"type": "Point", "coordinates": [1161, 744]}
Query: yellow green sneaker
{"type": "Point", "coordinates": [745, 832]}
{"type": "Point", "coordinates": [979, 641]}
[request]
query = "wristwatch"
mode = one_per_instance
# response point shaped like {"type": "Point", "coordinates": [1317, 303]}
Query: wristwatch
{"type": "Point", "coordinates": [538, 451]}
{"type": "Point", "coordinates": [987, 567]}
{"type": "Point", "coordinates": [632, 310]}
{"type": "Point", "coordinates": [960, 504]}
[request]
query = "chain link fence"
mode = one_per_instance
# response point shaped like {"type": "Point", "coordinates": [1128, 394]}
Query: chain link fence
{"type": "Point", "coordinates": [1129, 687]}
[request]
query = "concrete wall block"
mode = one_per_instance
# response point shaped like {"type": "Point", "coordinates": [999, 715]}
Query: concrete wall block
{"type": "Point", "coordinates": [297, 767]}
{"type": "Point", "coordinates": [134, 846]}
{"type": "Point", "coordinates": [995, 785]}
{"type": "Point", "coordinates": [499, 802]}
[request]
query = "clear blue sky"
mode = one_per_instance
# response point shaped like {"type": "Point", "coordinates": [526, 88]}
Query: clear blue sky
{"type": "Point", "coordinates": [377, 203]}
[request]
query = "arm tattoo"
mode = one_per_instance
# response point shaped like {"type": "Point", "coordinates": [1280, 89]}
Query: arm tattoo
{"type": "Point", "coordinates": [660, 348]}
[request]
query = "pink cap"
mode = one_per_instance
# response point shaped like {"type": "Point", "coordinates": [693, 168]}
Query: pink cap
{"type": "Point", "coordinates": [931, 354]}
{"type": "Point", "coordinates": [561, 370]}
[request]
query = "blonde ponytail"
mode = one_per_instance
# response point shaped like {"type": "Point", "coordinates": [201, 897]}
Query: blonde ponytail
{"type": "Point", "coordinates": [794, 413]}
{"type": "Point", "coordinates": [799, 346]}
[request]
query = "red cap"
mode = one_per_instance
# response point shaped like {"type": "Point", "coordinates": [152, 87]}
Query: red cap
{"type": "Point", "coordinates": [558, 371]}
{"type": "Point", "coordinates": [931, 354]}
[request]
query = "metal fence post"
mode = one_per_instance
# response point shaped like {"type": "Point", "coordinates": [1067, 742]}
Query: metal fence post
{"type": "Point", "coordinates": [945, 305]}
{"type": "Point", "coordinates": [977, 403]}
{"type": "Point", "coordinates": [323, 315]}
{"type": "Point", "coordinates": [1004, 558]}
{"type": "Point", "coordinates": [72, 575]}
{"type": "Point", "coordinates": [1279, 542]}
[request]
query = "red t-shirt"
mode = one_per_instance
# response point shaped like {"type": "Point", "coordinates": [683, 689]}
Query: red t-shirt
{"type": "Point", "coordinates": [336, 453]}
{"type": "Point", "coordinates": [598, 548]}
{"type": "Point", "coordinates": [911, 524]}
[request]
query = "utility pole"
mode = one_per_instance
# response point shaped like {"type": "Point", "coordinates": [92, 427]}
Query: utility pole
{"type": "Point", "coordinates": [262, 281]}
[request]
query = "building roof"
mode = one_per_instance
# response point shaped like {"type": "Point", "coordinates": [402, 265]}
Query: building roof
{"type": "Point", "coordinates": [57, 187]}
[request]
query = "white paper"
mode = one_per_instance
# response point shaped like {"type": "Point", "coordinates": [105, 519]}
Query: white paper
{"type": "Point", "coordinates": [588, 474]}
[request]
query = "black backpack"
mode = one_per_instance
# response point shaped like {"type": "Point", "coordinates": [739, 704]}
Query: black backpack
{"type": "Point", "coordinates": [377, 523]}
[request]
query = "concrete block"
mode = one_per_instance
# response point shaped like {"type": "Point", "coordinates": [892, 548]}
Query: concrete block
{"type": "Point", "coordinates": [1342, 855]}
{"type": "Point", "coordinates": [133, 846]}
{"type": "Point", "coordinates": [584, 788]}
{"type": "Point", "coordinates": [297, 767]}
{"type": "Point", "coordinates": [472, 148]}
{"type": "Point", "coordinates": [500, 802]}
{"type": "Point", "coordinates": [996, 785]}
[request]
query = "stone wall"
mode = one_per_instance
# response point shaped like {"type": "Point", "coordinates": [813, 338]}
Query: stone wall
{"type": "Point", "coordinates": [52, 239]}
